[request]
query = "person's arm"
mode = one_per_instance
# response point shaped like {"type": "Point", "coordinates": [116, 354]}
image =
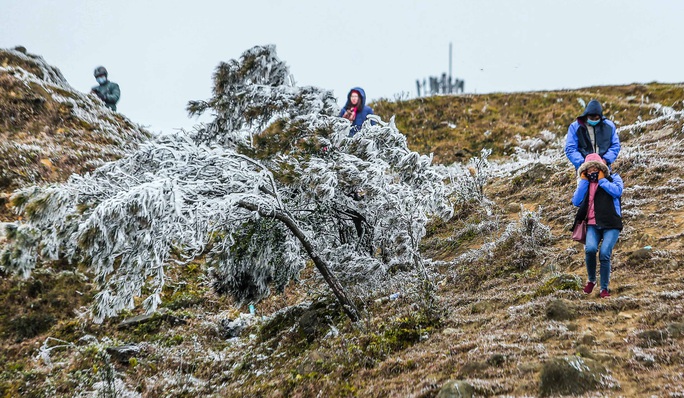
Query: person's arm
{"type": "Point", "coordinates": [113, 94]}
{"type": "Point", "coordinates": [342, 112]}
{"type": "Point", "coordinates": [571, 151]}
{"type": "Point", "coordinates": [614, 188]}
{"type": "Point", "coordinates": [614, 149]}
{"type": "Point", "coordinates": [97, 92]}
{"type": "Point", "coordinates": [580, 192]}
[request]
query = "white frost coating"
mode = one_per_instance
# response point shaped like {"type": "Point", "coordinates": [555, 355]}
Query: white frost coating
{"type": "Point", "coordinates": [84, 106]}
{"type": "Point", "coordinates": [578, 364]}
{"type": "Point", "coordinates": [668, 114]}
{"type": "Point", "coordinates": [361, 203]}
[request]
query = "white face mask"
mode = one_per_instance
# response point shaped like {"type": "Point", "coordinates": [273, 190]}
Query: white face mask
{"type": "Point", "coordinates": [101, 79]}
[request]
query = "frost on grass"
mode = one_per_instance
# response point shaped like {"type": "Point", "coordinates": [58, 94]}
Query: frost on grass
{"type": "Point", "coordinates": [471, 179]}
{"type": "Point", "coordinates": [48, 129]}
{"type": "Point", "coordinates": [523, 241]}
{"type": "Point", "coordinates": [35, 74]}
{"type": "Point", "coordinates": [536, 145]}
{"type": "Point", "coordinates": [101, 380]}
{"type": "Point", "coordinates": [272, 182]}
{"type": "Point", "coordinates": [663, 113]}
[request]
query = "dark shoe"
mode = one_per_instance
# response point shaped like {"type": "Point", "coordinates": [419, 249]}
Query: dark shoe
{"type": "Point", "coordinates": [589, 287]}
{"type": "Point", "coordinates": [604, 293]}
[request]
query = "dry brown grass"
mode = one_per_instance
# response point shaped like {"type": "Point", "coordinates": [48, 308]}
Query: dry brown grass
{"type": "Point", "coordinates": [493, 332]}
{"type": "Point", "coordinates": [456, 128]}
{"type": "Point", "coordinates": [44, 140]}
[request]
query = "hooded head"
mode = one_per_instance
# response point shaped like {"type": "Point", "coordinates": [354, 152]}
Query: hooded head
{"type": "Point", "coordinates": [593, 160]}
{"type": "Point", "coordinates": [100, 74]}
{"type": "Point", "coordinates": [100, 71]}
{"type": "Point", "coordinates": [592, 108]}
{"type": "Point", "coordinates": [362, 98]}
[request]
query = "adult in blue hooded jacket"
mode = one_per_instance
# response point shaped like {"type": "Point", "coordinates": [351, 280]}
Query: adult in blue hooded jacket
{"type": "Point", "coordinates": [356, 110]}
{"type": "Point", "coordinates": [592, 133]}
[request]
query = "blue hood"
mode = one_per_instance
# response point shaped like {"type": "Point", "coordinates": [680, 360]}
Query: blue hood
{"type": "Point", "coordinates": [593, 108]}
{"type": "Point", "coordinates": [363, 97]}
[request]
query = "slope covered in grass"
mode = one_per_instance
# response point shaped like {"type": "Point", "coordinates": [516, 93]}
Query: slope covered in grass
{"type": "Point", "coordinates": [509, 318]}
{"type": "Point", "coordinates": [455, 128]}
{"type": "Point", "coordinates": [49, 130]}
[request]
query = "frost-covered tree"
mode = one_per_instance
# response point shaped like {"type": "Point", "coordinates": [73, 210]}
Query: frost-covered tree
{"type": "Point", "coordinates": [272, 182]}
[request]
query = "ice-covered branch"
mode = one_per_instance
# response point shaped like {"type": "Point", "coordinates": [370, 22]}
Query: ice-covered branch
{"type": "Point", "coordinates": [300, 189]}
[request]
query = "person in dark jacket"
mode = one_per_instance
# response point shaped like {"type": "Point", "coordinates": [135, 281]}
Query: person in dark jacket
{"type": "Point", "coordinates": [356, 110]}
{"type": "Point", "coordinates": [107, 91]}
{"type": "Point", "coordinates": [598, 196]}
{"type": "Point", "coordinates": [592, 133]}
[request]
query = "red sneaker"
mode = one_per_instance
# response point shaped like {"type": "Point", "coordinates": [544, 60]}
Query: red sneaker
{"type": "Point", "coordinates": [604, 293]}
{"type": "Point", "coordinates": [589, 287]}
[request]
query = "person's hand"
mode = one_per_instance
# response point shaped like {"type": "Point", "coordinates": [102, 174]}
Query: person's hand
{"type": "Point", "coordinates": [602, 175]}
{"type": "Point", "coordinates": [583, 175]}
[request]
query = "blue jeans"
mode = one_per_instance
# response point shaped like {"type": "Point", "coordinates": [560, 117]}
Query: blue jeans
{"type": "Point", "coordinates": [594, 235]}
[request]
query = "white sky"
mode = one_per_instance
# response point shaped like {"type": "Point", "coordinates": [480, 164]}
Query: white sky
{"type": "Point", "coordinates": [163, 53]}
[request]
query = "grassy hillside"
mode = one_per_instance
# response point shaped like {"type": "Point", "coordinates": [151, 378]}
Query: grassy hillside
{"type": "Point", "coordinates": [509, 320]}
{"type": "Point", "coordinates": [455, 128]}
{"type": "Point", "coordinates": [49, 130]}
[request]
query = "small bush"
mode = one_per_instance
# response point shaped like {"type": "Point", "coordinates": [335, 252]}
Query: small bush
{"type": "Point", "coordinates": [571, 375]}
{"type": "Point", "coordinates": [559, 282]}
{"type": "Point", "coordinates": [522, 244]}
{"type": "Point", "coordinates": [31, 325]}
